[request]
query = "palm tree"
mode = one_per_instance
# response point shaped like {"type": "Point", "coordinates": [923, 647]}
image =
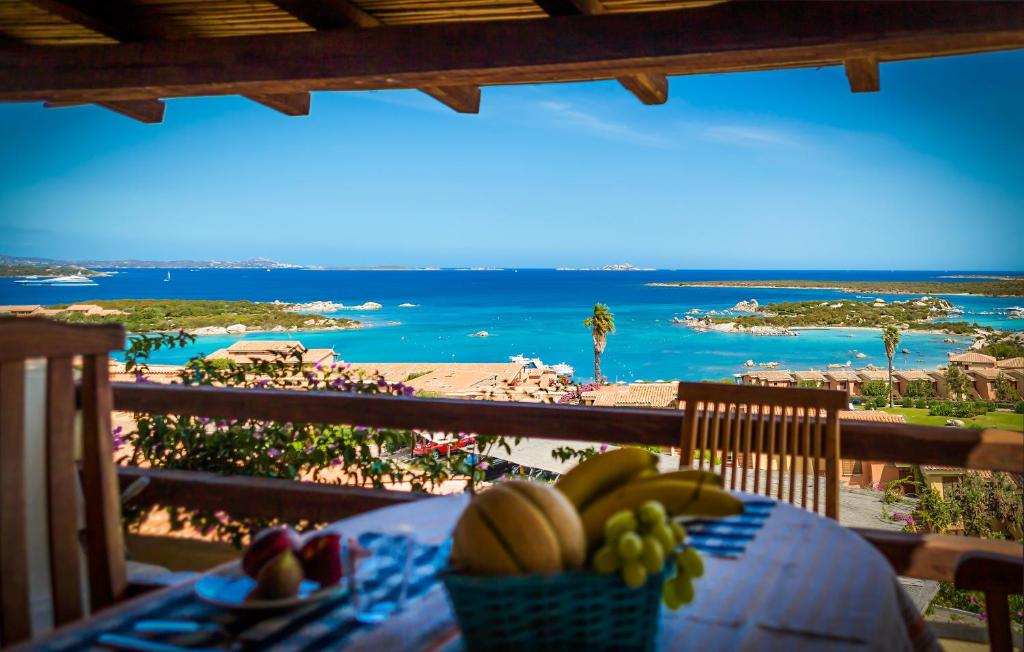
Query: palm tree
{"type": "Point", "coordinates": [891, 337]}
{"type": "Point", "coordinates": [601, 324]}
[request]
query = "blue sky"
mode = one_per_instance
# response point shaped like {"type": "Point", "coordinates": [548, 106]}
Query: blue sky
{"type": "Point", "coordinates": [784, 169]}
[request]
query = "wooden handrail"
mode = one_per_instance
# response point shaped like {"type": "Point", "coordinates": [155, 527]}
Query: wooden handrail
{"type": "Point", "coordinates": [994, 450]}
{"type": "Point", "coordinates": [243, 496]}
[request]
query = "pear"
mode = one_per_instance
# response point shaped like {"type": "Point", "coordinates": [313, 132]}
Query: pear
{"type": "Point", "coordinates": [279, 578]}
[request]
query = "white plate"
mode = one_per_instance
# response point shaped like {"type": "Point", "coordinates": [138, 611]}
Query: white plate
{"type": "Point", "coordinates": [230, 590]}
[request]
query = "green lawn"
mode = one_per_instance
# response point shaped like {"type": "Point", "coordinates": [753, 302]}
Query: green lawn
{"type": "Point", "coordinates": [1003, 420]}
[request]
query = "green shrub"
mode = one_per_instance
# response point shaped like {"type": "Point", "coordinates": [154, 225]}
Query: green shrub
{"type": "Point", "coordinates": [1019, 407]}
{"type": "Point", "coordinates": [941, 409]}
{"type": "Point", "coordinates": [907, 402]}
{"type": "Point", "coordinates": [921, 404]}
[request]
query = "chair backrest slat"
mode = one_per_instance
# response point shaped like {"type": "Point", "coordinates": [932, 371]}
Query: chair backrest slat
{"type": "Point", "coordinates": [788, 432]}
{"type": "Point", "coordinates": [15, 618]}
{"type": "Point", "coordinates": [104, 540]}
{"type": "Point", "coordinates": [62, 497]}
{"type": "Point", "coordinates": [21, 339]}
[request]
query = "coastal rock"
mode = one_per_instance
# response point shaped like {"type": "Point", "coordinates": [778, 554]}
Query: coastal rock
{"type": "Point", "coordinates": [746, 306]}
{"type": "Point", "coordinates": [316, 306]}
{"type": "Point", "coordinates": [235, 329]}
{"type": "Point", "coordinates": [277, 329]}
{"type": "Point", "coordinates": [956, 423]}
{"type": "Point", "coordinates": [861, 355]}
{"type": "Point", "coordinates": [771, 331]}
{"type": "Point", "coordinates": [748, 363]}
{"type": "Point", "coordinates": [480, 334]}
{"type": "Point", "coordinates": [209, 330]}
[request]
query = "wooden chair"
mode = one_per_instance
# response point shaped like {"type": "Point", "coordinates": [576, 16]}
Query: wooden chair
{"type": "Point", "coordinates": [741, 424]}
{"type": "Point", "coordinates": [22, 339]}
{"type": "Point", "coordinates": [997, 576]}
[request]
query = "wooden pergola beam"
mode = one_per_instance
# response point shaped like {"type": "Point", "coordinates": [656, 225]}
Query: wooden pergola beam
{"type": "Point", "coordinates": [145, 111]}
{"type": "Point", "coordinates": [729, 37]}
{"type": "Point", "coordinates": [862, 73]}
{"type": "Point", "coordinates": [290, 104]}
{"type": "Point", "coordinates": [649, 88]}
{"type": "Point", "coordinates": [339, 14]}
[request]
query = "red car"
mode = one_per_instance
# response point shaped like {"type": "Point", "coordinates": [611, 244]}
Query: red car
{"type": "Point", "coordinates": [427, 447]}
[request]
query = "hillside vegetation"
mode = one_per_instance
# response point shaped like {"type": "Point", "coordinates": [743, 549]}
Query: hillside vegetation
{"type": "Point", "coordinates": [8, 271]}
{"type": "Point", "coordinates": [146, 315]}
{"type": "Point", "coordinates": [917, 314]}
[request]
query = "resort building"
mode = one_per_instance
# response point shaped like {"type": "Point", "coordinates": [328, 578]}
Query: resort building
{"type": "Point", "coordinates": [768, 378]}
{"type": "Point", "coordinates": [869, 474]}
{"type": "Point", "coordinates": [250, 351]}
{"type": "Point", "coordinates": [985, 382]}
{"type": "Point", "coordinates": [810, 379]}
{"type": "Point", "coordinates": [845, 380]}
{"type": "Point", "coordinates": [902, 380]}
{"type": "Point", "coordinates": [89, 309]}
{"type": "Point", "coordinates": [638, 395]}
{"type": "Point", "coordinates": [495, 381]}
{"type": "Point", "coordinates": [21, 311]}
{"type": "Point", "coordinates": [972, 360]}
{"type": "Point", "coordinates": [868, 375]}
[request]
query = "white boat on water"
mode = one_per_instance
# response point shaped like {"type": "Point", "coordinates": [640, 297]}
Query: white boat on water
{"type": "Point", "coordinates": [167, 278]}
{"type": "Point", "coordinates": [70, 279]}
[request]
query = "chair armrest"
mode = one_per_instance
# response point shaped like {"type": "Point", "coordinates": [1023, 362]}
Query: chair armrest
{"type": "Point", "coordinates": [932, 556]}
{"type": "Point", "coordinates": [986, 571]}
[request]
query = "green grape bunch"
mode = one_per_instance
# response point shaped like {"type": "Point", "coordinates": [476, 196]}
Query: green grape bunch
{"type": "Point", "coordinates": [638, 543]}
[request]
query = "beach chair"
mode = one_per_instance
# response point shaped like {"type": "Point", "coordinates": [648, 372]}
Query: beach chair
{"type": "Point", "coordinates": [51, 481]}
{"type": "Point", "coordinates": [756, 436]}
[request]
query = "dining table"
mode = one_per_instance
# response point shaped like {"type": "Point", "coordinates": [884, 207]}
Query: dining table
{"type": "Point", "coordinates": [785, 579]}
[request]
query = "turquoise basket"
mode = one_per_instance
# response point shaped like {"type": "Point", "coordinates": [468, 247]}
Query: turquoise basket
{"type": "Point", "coordinates": [574, 610]}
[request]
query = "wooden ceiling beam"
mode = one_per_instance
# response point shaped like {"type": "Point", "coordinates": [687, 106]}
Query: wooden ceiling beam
{"type": "Point", "coordinates": [112, 18]}
{"type": "Point", "coordinates": [862, 73]}
{"type": "Point", "coordinates": [328, 14]}
{"type": "Point", "coordinates": [728, 37]}
{"type": "Point", "coordinates": [145, 111]}
{"type": "Point", "coordinates": [339, 14]}
{"type": "Point", "coordinates": [290, 104]}
{"type": "Point", "coordinates": [464, 99]}
{"type": "Point", "coordinates": [648, 88]}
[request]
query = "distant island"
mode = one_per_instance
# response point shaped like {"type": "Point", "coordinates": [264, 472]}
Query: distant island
{"type": "Point", "coordinates": [29, 270]}
{"type": "Point", "coordinates": [787, 318]}
{"type": "Point", "coordinates": [1004, 288]}
{"type": "Point", "coordinates": [132, 263]}
{"type": "Point", "coordinates": [621, 267]}
{"type": "Point", "coordinates": [200, 317]}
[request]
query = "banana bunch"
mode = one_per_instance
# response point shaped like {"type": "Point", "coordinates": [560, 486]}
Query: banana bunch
{"type": "Point", "coordinates": [519, 528]}
{"type": "Point", "coordinates": [625, 478]}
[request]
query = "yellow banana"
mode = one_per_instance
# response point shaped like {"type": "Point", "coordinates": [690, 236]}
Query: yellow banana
{"type": "Point", "coordinates": [677, 496]}
{"type": "Point", "coordinates": [602, 473]}
{"type": "Point", "coordinates": [692, 475]}
{"type": "Point", "coordinates": [502, 532]}
{"type": "Point", "coordinates": [562, 517]}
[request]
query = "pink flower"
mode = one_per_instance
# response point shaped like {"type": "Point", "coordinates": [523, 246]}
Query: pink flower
{"type": "Point", "coordinates": [222, 516]}
{"type": "Point", "coordinates": [336, 461]}
{"type": "Point", "coordinates": [604, 448]}
{"type": "Point", "coordinates": [484, 466]}
{"type": "Point", "coordinates": [272, 453]}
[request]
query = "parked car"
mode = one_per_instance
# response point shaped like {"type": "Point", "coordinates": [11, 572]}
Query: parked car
{"type": "Point", "coordinates": [427, 447]}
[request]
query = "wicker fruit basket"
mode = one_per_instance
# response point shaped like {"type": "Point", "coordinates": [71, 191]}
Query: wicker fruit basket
{"type": "Point", "coordinates": [573, 610]}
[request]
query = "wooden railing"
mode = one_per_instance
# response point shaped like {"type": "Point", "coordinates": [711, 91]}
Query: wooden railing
{"type": "Point", "coordinates": [995, 450]}
{"type": "Point", "coordinates": [924, 556]}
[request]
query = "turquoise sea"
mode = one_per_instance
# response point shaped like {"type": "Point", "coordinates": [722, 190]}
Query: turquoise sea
{"type": "Point", "coordinates": [537, 313]}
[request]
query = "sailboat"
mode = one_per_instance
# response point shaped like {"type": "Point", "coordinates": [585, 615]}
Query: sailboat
{"type": "Point", "coordinates": [167, 278]}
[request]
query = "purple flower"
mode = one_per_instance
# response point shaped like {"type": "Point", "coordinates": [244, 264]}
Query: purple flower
{"type": "Point", "coordinates": [116, 431]}
{"type": "Point", "coordinates": [318, 366]}
{"type": "Point", "coordinates": [309, 449]}
{"type": "Point", "coordinates": [483, 466]}
{"type": "Point", "coordinates": [139, 378]}
{"type": "Point", "coordinates": [983, 616]}
{"type": "Point", "coordinates": [972, 599]}
{"type": "Point", "coordinates": [408, 391]}
{"type": "Point", "coordinates": [604, 448]}
{"type": "Point", "coordinates": [272, 453]}
{"type": "Point", "coordinates": [262, 383]}
{"type": "Point", "coordinates": [222, 516]}
{"type": "Point", "coordinates": [203, 420]}
{"type": "Point", "coordinates": [336, 461]}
